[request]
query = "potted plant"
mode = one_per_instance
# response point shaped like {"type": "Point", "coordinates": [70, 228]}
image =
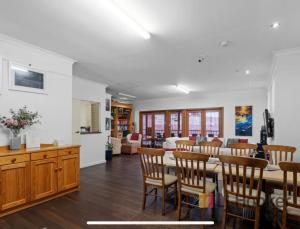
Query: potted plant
{"type": "Point", "coordinates": [108, 149]}
{"type": "Point", "coordinates": [18, 121]}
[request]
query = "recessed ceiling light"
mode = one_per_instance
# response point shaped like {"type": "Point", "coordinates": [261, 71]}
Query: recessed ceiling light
{"type": "Point", "coordinates": [183, 89]}
{"type": "Point", "coordinates": [126, 95]}
{"type": "Point", "coordinates": [123, 15]}
{"type": "Point", "coordinates": [275, 25]}
{"type": "Point", "coordinates": [247, 72]}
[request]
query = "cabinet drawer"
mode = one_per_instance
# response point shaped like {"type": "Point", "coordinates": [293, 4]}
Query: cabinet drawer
{"type": "Point", "coordinates": [43, 155]}
{"type": "Point", "coordinates": [14, 159]}
{"type": "Point", "coordinates": [69, 151]}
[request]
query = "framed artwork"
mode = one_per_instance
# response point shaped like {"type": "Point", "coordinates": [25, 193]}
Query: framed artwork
{"type": "Point", "coordinates": [107, 123]}
{"type": "Point", "coordinates": [1, 75]}
{"type": "Point", "coordinates": [243, 121]}
{"type": "Point", "coordinates": [107, 104]}
{"type": "Point", "coordinates": [27, 79]}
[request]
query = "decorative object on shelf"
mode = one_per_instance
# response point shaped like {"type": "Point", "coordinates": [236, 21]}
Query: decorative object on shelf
{"type": "Point", "coordinates": [243, 121]}
{"type": "Point", "coordinates": [107, 123]}
{"type": "Point", "coordinates": [108, 149]}
{"type": "Point", "coordinates": [107, 104]}
{"type": "Point", "coordinates": [27, 79]}
{"type": "Point", "coordinates": [32, 140]}
{"type": "Point", "coordinates": [18, 121]}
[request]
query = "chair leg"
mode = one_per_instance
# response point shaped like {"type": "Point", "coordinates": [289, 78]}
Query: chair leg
{"type": "Point", "coordinates": [179, 205]}
{"type": "Point", "coordinates": [224, 221]}
{"type": "Point", "coordinates": [175, 195]}
{"type": "Point", "coordinates": [163, 201]}
{"type": "Point", "coordinates": [144, 196]}
{"type": "Point", "coordinates": [257, 217]}
{"type": "Point", "coordinates": [275, 217]}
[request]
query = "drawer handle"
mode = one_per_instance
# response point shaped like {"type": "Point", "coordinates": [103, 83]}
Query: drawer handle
{"type": "Point", "coordinates": [60, 168]}
{"type": "Point", "coordinates": [70, 152]}
{"type": "Point", "coordinates": [55, 170]}
{"type": "Point", "coordinates": [45, 155]}
{"type": "Point", "coordinates": [13, 160]}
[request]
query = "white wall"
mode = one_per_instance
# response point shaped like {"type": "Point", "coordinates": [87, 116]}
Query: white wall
{"type": "Point", "coordinates": [285, 98]}
{"type": "Point", "coordinates": [257, 98]}
{"type": "Point", "coordinates": [92, 145]}
{"type": "Point", "coordinates": [55, 107]}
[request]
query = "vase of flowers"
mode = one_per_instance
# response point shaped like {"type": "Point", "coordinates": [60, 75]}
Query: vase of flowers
{"type": "Point", "coordinates": [19, 120]}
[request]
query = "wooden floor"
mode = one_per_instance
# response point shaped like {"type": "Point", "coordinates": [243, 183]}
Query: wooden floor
{"type": "Point", "coordinates": [111, 192]}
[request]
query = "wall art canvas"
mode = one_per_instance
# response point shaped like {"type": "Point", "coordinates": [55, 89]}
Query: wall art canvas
{"type": "Point", "coordinates": [243, 121]}
{"type": "Point", "coordinates": [107, 123]}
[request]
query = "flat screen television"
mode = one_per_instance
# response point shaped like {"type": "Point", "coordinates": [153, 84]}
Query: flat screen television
{"type": "Point", "coordinates": [269, 123]}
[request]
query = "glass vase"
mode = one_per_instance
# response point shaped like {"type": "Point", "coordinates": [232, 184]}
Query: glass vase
{"type": "Point", "coordinates": [15, 142]}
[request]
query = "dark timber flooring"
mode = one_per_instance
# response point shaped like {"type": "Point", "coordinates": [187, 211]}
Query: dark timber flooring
{"type": "Point", "coordinates": [111, 192]}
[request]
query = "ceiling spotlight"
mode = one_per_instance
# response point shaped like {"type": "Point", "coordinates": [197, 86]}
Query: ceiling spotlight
{"type": "Point", "coordinates": [247, 72]}
{"type": "Point", "coordinates": [275, 25]}
{"type": "Point", "coordinates": [183, 89]}
{"type": "Point", "coordinates": [224, 43]}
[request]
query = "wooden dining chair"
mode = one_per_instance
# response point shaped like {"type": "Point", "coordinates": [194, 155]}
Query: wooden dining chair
{"type": "Point", "coordinates": [242, 184]}
{"type": "Point", "coordinates": [184, 145]}
{"type": "Point", "coordinates": [154, 175]}
{"type": "Point", "coordinates": [276, 153]}
{"type": "Point", "coordinates": [243, 149]}
{"type": "Point", "coordinates": [191, 175]}
{"type": "Point", "coordinates": [289, 202]}
{"type": "Point", "coordinates": [210, 148]}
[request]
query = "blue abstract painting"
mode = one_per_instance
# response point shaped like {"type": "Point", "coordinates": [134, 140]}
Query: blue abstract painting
{"type": "Point", "coordinates": [243, 121]}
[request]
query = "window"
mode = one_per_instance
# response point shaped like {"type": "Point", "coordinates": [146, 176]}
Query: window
{"type": "Point", "coordinates": [182, 123]}
{"type": "Point", "coordinates": [159, 125]}
{"type": "Point", "coordinates": [176, 124]}
{"type": "Point", "coordinates": [147, 125]}
{"type": "Point", "coordinates": [26, 79]}
{"type": "Point", "coordinates": [212, 123]}
{"type": "Point", "coordinates": [194, 123]}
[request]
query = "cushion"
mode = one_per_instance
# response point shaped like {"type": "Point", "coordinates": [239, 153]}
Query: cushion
{"type": "Point", "coordinates": [210, 187]}
{"type": "Point", "coordinates": [169, 179]}
{"type": "Point", "coordinates": [243, 140]}
{"type": "Point", "coordinates": [217, 140]}
{"type": "Point", "coordinates": [135, 136]}
{"type": "Point", "coordinates": [232, 141]}
{"type": "Point", "coordinates": [277, 200]}
{"type": "Point", "coordinates": [245, 201]}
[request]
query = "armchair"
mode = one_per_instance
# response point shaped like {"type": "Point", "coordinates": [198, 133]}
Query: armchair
{"type": "Point", "coordinates": [134, 142]}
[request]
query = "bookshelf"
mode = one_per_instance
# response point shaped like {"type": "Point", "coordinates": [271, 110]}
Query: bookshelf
{"type": "Point", "coordinates": [121, 124]}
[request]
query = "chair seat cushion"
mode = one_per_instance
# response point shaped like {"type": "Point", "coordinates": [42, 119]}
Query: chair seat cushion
{"type": "Point", "coordinates": [209, 187]}
{"type": "Point", "coordinates": [277, 200]}
{"type": "Point", "coordinates": [134, 137]}
{"type": "Point", "coordinates": [169, 179]}
{"type": "Point", "coordinates": [244, 200]}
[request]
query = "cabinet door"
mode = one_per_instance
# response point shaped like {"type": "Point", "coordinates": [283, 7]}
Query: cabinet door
{"type": "Point", "coordinates": [43, 178]}
{"type": "Point", "coordinates": [68, 172]}
{"type": "Point", "coordinates": [15, 181]}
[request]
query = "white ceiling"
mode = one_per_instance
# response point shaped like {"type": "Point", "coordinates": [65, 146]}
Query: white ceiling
{"type": "Point", "coordinates": [182, 31]}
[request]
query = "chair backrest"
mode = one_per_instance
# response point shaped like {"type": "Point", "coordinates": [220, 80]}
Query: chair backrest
{"type": "Point", "coordinates": [276, 153]}
{"type": "Point", "coordinates": [152, 163]}
{"type": "Point", "coordinates": [241, 176]}
{"type": "Point", "coordinates": [184, 145]}
{"type": "Point", "coordinates": [294, 169]}
{"type": "Point", "coordinates": [191, 169]}
{"type": "Point", "coordinates": [243, 149]}
{"type": "Point", "coordinates": [210, 148]}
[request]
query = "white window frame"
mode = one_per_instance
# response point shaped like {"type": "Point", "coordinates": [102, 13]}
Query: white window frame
{"type": "Point", "coordinates": [11, 80]}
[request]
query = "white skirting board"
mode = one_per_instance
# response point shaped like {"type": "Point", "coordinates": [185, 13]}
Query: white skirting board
{"type": "Point", "coordinates": [92, 163]}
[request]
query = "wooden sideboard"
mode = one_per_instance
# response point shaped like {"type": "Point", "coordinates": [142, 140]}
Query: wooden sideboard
{"type": "Point", "coordinates": [32, 176]}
